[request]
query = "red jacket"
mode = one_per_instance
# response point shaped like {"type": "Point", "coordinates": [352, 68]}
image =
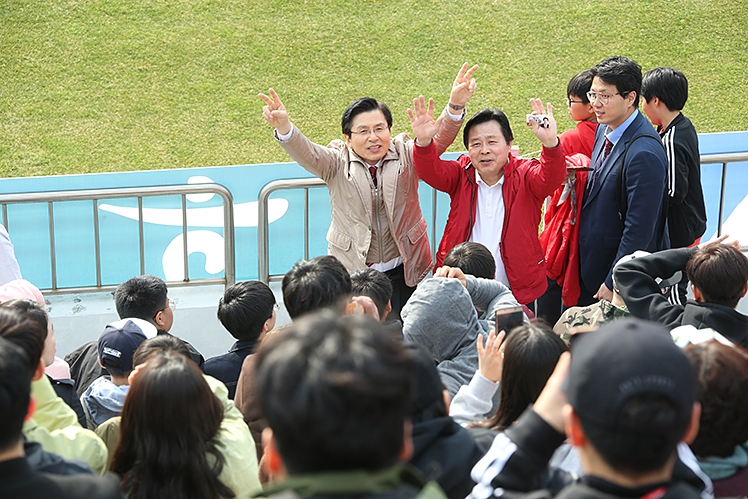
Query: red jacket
{"type": "Point", "coordinates": [580, 139]}
{"type": "Point", "coordinates": [527, 182]}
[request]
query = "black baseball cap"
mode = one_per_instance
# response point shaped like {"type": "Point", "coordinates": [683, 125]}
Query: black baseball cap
{"type": "Point", "coordinates": [624, 358]}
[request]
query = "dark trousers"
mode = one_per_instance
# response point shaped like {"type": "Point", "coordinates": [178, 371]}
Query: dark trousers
{"type": "Point", "coordinates": [400, 291]}
{"type": "Point", "coordinates": [550, 305]}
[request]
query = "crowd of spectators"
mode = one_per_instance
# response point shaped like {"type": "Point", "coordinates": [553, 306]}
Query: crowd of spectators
{"type": "Point", "coordinates": [392, 384]}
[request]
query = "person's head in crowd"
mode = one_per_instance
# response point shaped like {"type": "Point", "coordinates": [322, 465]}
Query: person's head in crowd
{"type": "Point", "coordinates": [665, 91]}
{"type": "Point", "coordinates": [116, 348]}
{"type": "Point", "coordinates": [632, 399]}
{"type": "Point", "coordinates": [20, 329]}
{"type": "Point", "coordinates": [615, 90]}
{"type": "Point", "coordinates": [473, 259]}
{"type": "Point", "coordinates": [580, 108]}
{"type": "Point", "coordinates": [37, 313]}
{"type": "Point", "coordinates": [366, 125]}
{"type": "Point", "coordinates": [169, 422]}
{"type": "Point", "coordinates": [314, 284]}
{"type": "Point", "coordinates": [718, 274]}
{"type": "Point", "coordinates": [722, 390]}
{"type": "Point", "coordinates": [247, 310]}
{"type": "Point", "coordinates": [336, 393]}
{"type": "Point", "coordinates": [377, 286]}
{"type": "Point", "coordinates": [15, 398]}
{"type": "Point", "coordinates": [430, 399]}
{"type": "Point", "coordinates": [19, 289]}
{"type": "Point", "coordinates": [145, 297]}
{"type": "Point", "coordinates": [163, 343]}
{"type": "Point", "coordinates": [531, 352]}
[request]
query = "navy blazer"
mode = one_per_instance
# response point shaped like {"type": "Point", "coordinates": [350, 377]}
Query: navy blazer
{"type": "Point", "coordinates": [603, 237]}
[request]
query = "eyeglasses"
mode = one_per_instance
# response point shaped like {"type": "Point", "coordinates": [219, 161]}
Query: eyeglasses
{"type": "Point", "coordinates": [378, 131]}
{"type": "Point", "coordinates": [604, 98]}
{"type": "Point", "coordinates": [172, 305]}
{"type": "Point", "coordinates": [574, 101]}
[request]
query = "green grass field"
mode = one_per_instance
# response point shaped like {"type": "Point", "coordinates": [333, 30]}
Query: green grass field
{"type": "Point", "coordinates": [113, 85]}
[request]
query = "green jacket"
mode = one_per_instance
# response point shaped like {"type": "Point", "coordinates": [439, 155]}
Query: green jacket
{"type": "Point", "coordinates": [401, 481]}
{"type": "Point", "coordinates": [55, 426]}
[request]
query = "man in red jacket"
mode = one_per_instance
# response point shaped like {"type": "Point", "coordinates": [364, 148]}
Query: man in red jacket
{"type": "Point", "coordinates": [496, 197]}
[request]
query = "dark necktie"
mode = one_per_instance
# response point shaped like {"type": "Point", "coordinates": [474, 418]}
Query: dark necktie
{"type": "Point", "coordinates": [373, 171]}
{"type": "Point", "coordinates": [599, 165]}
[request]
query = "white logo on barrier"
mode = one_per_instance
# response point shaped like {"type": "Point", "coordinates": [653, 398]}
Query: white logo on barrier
{"type": "Point", "coordinates": [198, 241]}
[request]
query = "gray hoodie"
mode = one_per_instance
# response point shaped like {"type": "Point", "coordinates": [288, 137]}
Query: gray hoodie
{"type": "Point", "coordinates": [441, 317]}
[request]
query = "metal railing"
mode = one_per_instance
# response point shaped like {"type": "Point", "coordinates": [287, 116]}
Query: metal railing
{"type": "Point", "coordinates": [95, 195]}
{"type": "Point", "coordinates": [725, 158]}
{"type": "Point", "coordinates": [263, 242]}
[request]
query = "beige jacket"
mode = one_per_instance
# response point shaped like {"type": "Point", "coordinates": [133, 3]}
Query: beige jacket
{"type": "Point", "coordinates": [347, 179]}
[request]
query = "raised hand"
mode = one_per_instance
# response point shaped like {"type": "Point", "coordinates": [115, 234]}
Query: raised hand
{"type": "Point", "coordinates": [464, 86]}
{"type": "Point", "coordinates": [275, 113]}
{"type": "Point", "coordinates": [422, 121]}
{"type": "Point", "coordinates": [548, 136]}
{"type": "Point", "coordinates": [452, 273]}
{"type": "Point", "coordinates": [491, 356]}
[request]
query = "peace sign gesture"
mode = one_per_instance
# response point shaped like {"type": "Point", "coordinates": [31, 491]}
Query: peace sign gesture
{"type": "Point", "coordinates": [464, 86]}
{"type": "Point", "coordinates": [275, 113]}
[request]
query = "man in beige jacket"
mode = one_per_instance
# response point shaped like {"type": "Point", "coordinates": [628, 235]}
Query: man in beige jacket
{"type": "Point", "coordinates": [376, 218]}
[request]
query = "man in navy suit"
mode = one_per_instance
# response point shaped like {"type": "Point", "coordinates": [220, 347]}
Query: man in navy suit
{"type": "Point", "coordinates": [619, 218]}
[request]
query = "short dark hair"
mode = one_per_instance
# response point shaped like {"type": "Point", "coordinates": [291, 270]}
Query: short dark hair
{"type": "Point", "coordinates": [336, 392]}
{"type": "Point", "coordinates": [141, 297]}
{"type": "Point", "coordinates": [374, 284]}
{"type": "Point", "coordinates": [622, 72]}
{"type": "Point", "coordinates": [472, 258]}
{"type": "Point", "coordinates": [314, 284]}
{"type": "Point", "coordinates": [667, 84]}
{"type": "Point", "coordinates": [720, 272]}
{"type": "Point", "coordinates": [363, 105]}
{"type": "Point", "coordinates": [244, 308]}
{"type": "Point", "coordinates": [24, 332]}
{"type": "Point", "coordinates": [579, 85]}
{"type": "Point", "coordinates": [163, 343]}
{"type": "Point", "coordinates": [722, 390]}
{"type": "Point", "coordinates": [638, 444]}
{"type": "Point", "coordinates": [530, 356]}
{"type": "Point", "coordinates": [484, 116]}
{"type": "Point", "coordinates": [15, 391]}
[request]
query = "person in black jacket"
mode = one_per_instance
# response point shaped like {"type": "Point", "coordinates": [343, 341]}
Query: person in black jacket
{"type": "Point", "coordinates": [719, 279]}
{"type": "Point", "coordinates": [626, 398]}
{"type": "Point", "coordinates": [665, 92]}
{"type": "Point", "coordinates": [17, 479]}
{"type": "Point", "coordinates": [442, 449]}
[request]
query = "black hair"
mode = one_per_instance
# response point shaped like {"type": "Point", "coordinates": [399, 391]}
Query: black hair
{"type": "Point", "coordinates": [530, 356]}
{"type": "Point", "coordinates": [720, 272]}
{"type": "Point", "coordinates": [667, 84]}
{"type": "Point", "coordinates": [374, 284]}
{"type": "Point", "coordinates": [244, 308]}
{"type": "Point", "coordinates": [15, 392]}
{"type": "Point", "coordinates": [363, 105]}
{"type": "Point", "coordinates": [169, 423]}
{"type": "Point", "coordinates": [336, 392]}
{"type": "Point", "coordinates": [645, 437]}
{"type": "Point", "coordinates": [622, 72]}
{"type": "Point", "coordinates": [579, 85]}
{"type": "Point", "coordinates": [34, 310]}
{"type": "Point", "coordinates": [484, 116]}
{"type": "Point", "coordinates": [472, 258]}
{"type": "Point", "coordinates": [162, 343]}
{"type": "Point", "coordinates": [314, 284]}
{"type": "Point", "coordinates": [141, 297]}
{"type": "Point", "coordinates": [23, 331]}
